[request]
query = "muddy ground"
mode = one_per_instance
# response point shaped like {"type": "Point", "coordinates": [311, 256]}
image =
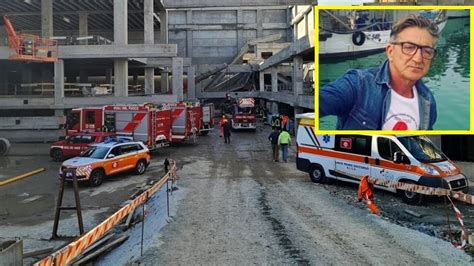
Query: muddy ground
{"type": "Point", "coordinates": [235, 205]}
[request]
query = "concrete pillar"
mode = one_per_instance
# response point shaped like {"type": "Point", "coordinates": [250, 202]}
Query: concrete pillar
{"type": "Point", "coordinates": [189, 43]}
{"type": "Point", "coordinates": [120, 37]}
{"type": "Point", "coordinates": [149, 31]}
{"type": "Point", "coordinates": [108, 75]}
{"type": "Point", "coordinates": [177, 71]}
{"type": "Point", "coordinates": [149, 81]}
{"type": "Point", "coordinates": [189, 34]}
{"type": "Point", "coordinates": [83, 76]}
{"type": "Point", "coordinates": [59, 82]}
{"type": "Point", "coordinates": [261, 79]}
{"type": "Point", "coordinates": [274, 79]}
{"type": "Point", "coordinates": [164, 39]}
{"type": "Point", "coordinates": [191, 85]}
{"type": "Point", "coordinates": [149, 37]}
{"type": "Point", "coordinates": [289, 17]}
{"type": "Point", "coordinates": [297, 77]}
{"type": "Point", "coordinates": [47, 19]}
{"type": "Point", "coordinates": [259, 23]}
{"type": "Point", "coordinates": [274, 76]}
{"type": "Point", "coordinates": [163, 26]}
{"type": "Point", "coordinates": [121, 77]}
{"type": "Point", "coordinates": [164, 82]}
{"type": "Point", "coordinates": [240, 31]}
{"type": "Point", "coordinates": [83, 27]}
{"type": "Point", "coordinates": [120, 22]}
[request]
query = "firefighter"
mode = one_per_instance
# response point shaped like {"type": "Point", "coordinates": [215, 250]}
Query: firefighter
{"type": "Point", "coordinates": [227, 128]}
{"type": "Point", "coordinates": [221, 123]}
{"type": "Point", "coordinates": [284, 122]}
{"type": "Point", "coordinates": [278, 122]}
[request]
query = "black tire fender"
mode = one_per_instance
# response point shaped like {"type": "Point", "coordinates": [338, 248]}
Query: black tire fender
{"type": "Point", "coordinates": [358, 38]}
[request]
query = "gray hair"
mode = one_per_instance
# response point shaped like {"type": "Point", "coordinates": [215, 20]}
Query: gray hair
{"type": "Point", "coordinates": [414, 21]}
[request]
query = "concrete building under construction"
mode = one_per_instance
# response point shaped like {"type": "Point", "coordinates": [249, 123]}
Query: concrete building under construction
{"type": "Point", "coordinates": [139, 51]}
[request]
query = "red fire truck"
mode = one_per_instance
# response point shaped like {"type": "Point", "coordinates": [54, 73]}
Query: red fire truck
{"type": "Point", "coordinates": [88, 119]}
{"type": "Point", "coordinates": [156, 126]}
{"type": "Point", "coordinates": [243, 114]}
{"type": "Point", "coordinates": [187, 122]}
{"type": "Point", "coordinates": [207, 118]}
{"type": "Point", "coordinates": [144, 123]}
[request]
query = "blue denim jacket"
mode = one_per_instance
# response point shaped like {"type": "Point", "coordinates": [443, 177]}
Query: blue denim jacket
{"type": "Point", "coordinates": [361, 100]}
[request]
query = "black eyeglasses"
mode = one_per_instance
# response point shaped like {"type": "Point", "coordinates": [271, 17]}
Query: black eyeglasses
{"type": "Point", "coordinates": [409, 48]}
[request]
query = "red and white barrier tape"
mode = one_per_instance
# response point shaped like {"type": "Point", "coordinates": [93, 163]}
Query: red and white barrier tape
{"type": "Point", "coordinates": [461, 222]}
{"type": "Point", "coordinates": [431, 191]}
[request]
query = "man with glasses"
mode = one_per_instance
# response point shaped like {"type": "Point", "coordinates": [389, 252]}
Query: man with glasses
{"type": "Point", "coordinates": [392, 96]}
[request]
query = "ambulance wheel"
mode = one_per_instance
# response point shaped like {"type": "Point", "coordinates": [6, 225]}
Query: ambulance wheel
{"type": "Point", "coordinates": [140, 167]}
{"type": "Point", "coordinates": [57, 155]}
{"type": "Point", "coordinates": [96, 178]}
{"type": "Point", "coordinates": [411, 198]}
{"type": "Point", "coordinates": [316, 173]}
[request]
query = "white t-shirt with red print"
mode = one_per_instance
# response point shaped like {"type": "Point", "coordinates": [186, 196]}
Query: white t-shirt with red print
{"type": "Point", "coordinates": [404, 113]}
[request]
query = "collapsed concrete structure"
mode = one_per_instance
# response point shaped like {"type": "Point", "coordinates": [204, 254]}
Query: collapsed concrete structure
{"type": "Point", "coordinates": [153, 51]}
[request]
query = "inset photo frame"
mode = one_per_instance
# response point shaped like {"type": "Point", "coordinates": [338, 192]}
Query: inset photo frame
{"type": "Point", "coordinates": [393, 70]}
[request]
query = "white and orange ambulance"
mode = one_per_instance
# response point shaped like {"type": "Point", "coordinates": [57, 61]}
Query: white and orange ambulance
{"type": "Point", "coordinates": [400, 158]}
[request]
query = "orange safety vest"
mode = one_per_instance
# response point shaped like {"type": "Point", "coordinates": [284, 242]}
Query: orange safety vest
{"type": "Point", "coordinates": [366, 192]}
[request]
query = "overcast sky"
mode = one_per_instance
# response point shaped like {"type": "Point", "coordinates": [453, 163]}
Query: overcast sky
{"type": "Point", "coordinates": [342, 2]}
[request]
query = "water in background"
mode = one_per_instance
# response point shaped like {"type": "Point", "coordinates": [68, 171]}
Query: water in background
{"type": "Point", "coordinates": [448, 77]}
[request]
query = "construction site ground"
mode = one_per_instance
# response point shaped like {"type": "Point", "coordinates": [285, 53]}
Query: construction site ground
{"type": "Point", "coordinates": [235, 205]}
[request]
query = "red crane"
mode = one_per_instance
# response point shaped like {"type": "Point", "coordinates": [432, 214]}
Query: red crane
{"type": "Point", "coordinates": [27, 47]}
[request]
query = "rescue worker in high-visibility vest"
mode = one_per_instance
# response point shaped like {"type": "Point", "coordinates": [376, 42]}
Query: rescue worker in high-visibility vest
{"type": "Point", "coordinates": [278, 122]}
{"type": "Point", "coordinates": [284, 140]}
{"type": "Point", "coordinates": [365, 192]}
{"type": "Point", "coordinates": [221, 123]}
{"type": "Point", "coordinates": [273, 122]}
{"type": "Point", "coordinates": [284, 122]}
